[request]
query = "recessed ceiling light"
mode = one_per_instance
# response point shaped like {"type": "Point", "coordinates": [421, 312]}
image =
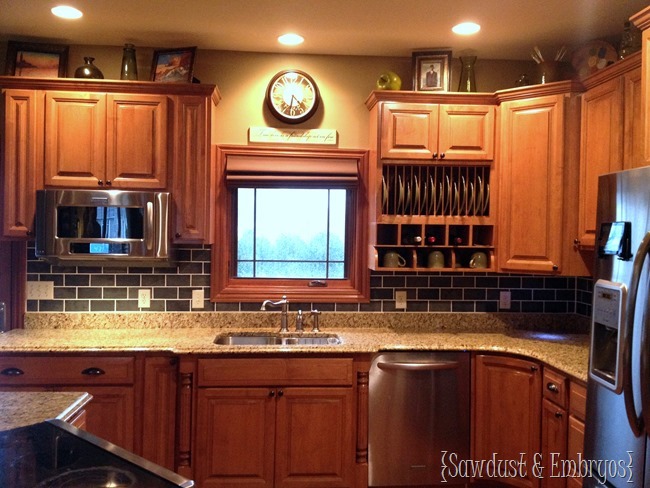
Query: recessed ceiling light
{"type": "Point", "coordinates": [466, 28]}
{"type": "Point", "coordinates": [66, 12]}
{"type": "Point", "coordinates": [291, 39]}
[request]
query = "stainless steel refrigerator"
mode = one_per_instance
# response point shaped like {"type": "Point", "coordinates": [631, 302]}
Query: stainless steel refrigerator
{"type": "Point", "coordinates": [617, 450]}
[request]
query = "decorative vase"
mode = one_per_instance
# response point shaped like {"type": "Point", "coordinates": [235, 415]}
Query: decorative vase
{"type": "Point", "coordinates": [129, 66]}
{"type": "Point", "coordinates": [467, 76]}
{"type": "Point", "coordinates": [389, 81]}
{"type": "Point", "coordinates": [88, 70]}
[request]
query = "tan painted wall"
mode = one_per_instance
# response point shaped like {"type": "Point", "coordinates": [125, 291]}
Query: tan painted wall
{"type": "Point", "coordinates": [344, 82]}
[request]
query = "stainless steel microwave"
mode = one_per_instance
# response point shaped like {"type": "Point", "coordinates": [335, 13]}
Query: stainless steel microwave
{"type": "Point", "coordinates": [102, 227]}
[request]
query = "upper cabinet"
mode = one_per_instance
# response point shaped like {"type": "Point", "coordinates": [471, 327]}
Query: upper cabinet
{"type": "Point", "coordinates": [538, 170]}
{"type": "Point", "coordinates": [642, 21]}
{"type": "Point", "coordinates": [612, 135]}
{"type": "Point", "coordinates": [110, 140]}
{"type": "Point", "coordinates": [437, 131]}
{"type": "Point", "coordinates": [93, 133]}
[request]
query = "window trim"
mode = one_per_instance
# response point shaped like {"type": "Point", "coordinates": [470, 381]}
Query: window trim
{"type": "Point", "coordinates": [226, 288]}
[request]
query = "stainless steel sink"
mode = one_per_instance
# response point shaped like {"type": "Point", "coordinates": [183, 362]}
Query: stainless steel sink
{"type": "Point", "coordinates": [273, 339]}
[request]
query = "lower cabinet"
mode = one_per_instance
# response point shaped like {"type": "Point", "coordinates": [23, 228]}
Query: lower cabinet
{"type": "Point", "coordinates": [274, 422]}
{"type": "Point", "coordinates": [506, 413]}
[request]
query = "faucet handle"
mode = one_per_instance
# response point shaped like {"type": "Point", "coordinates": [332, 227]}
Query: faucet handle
{"type": "Point", "coordinates": [315, 314]}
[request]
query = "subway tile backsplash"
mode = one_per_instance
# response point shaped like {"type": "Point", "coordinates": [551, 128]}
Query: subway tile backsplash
{"type": "Point", "coordinates": [115, 289]}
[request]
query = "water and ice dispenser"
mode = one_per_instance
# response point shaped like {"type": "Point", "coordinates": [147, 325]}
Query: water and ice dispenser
{"type": "Point", "coordinates": [607, 334]}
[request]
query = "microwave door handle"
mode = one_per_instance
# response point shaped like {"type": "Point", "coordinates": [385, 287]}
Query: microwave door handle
{"type": "Point", "coordinates": [149, 231]}
{"type": "Point", "coordinates": [636, 421]}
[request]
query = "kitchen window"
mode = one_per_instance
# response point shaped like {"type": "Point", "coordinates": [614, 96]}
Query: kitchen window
{"type": "Point", "coordinates": [290, 222]}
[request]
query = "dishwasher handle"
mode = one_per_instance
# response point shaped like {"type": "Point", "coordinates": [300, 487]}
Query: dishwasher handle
{"type": "Point", "coordinates": [411, 366]}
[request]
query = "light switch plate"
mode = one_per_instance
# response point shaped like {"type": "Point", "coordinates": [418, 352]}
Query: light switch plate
{"type": "Point", "coordinates": [504, 300]}
{"type": "Point", "coordinates": [400, 300]}
{"type": "Point", "coordinates": [40, 290]}
{"type": "Point", "coordinates": [197, 298]}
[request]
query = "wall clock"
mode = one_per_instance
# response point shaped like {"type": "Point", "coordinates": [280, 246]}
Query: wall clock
{"type": "Point", "coordinates": [292, 96]}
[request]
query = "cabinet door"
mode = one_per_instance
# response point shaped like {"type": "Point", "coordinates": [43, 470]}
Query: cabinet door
{"type": "Point", "coordinates": [554, 444]}
{"type": "Point", "coordinates": [531, 179]}
{"type": "Point", "coordinates": [110, 414]}
{"type": "Point", "coordinates": [136, 141]}
{"type": "Point", "coordinates": [466, 132]}
{"type": "Point", "coordinates": [75, 139]}
{"type": "Point", "coordinates": [22, 161]}
{"type": "Point", "coordinates": [314, 445]}
{"type": "Point", "coordinates": [507, 409]}
{"type": "Point", "coordinates": [192, 175]}
{"type": "Point", "coordinates": [601, 149]}
{"type": "Point", "coordinates": [575, 446]}
{"type": "Point", "coordinates": [633, 121]}
{"type": "Point", "coordinates": [409, 131]}
{"type": "Point", "coordinates": [235, 437]}
{"type": "Point", "coordinates": [159, 404]}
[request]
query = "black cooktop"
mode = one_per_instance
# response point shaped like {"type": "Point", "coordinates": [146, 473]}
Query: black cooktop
{"type": "Point", "coordinates": [53, 454]}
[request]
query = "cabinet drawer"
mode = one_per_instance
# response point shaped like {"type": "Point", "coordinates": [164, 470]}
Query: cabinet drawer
{"type": "Point", "coordinates": [68, 370]}
{"type": "Point", "coordinates": [276, 371]}
{"type": "Point", "coordinates": [555, 387]}
{"type": "Point", "coordinates": [577, 400]}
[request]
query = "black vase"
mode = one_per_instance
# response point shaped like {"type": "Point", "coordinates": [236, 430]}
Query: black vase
{"type": "Point", "coordinates": [88, 70]}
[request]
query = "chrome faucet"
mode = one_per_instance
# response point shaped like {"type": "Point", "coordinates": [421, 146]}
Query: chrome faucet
{"type": "Point", "coordinates": [284, 303]}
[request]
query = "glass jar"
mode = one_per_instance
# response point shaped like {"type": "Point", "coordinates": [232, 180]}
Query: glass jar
{"type": "Point", "coordinates": [129, 65]}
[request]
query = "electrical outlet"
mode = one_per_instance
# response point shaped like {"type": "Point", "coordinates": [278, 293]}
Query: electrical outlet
{"type": "Point", "coordinates": [197, 298]}
{"type": "Point", "coordinates": [40, 290]}
{"type": "Point", "coordinates": [144, 298]}
{"type": "Point", "coordinates": [504, 300]}
{"type": "Point", "coordinates": [400, 300]}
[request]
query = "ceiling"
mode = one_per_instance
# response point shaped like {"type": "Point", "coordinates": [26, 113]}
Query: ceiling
{"type": "Point", "coordinates": [510, 28]}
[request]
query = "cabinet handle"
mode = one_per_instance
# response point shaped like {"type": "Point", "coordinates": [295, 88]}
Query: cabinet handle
{"type": "Point", "coordinates": [109, 182]}
{"type": "Point", "coordinates": [558, 415]}
{"type": "Point", "coordinates": [552, 387]}
{"type": "Point", "coordinates": [442, 155]}
{"type": "Point", "coordinates": [93, 372]}
{"type": "Point", "coordinates": [271, 393]}
{"type": "Point", "coordinates": [100, 182]}
{"type": "Point", "coordinates": [280, 393]}
{"type": "Point", "coordinates": [435, 155]}
{"type": "Point", "coordinates": [12, 372]}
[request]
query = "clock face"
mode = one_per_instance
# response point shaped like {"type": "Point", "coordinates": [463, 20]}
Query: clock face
{"type": "Point", "coordinates": [292, 96]}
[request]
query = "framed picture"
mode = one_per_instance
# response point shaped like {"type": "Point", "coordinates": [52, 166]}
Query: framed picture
{"type": "Point", "coordinates": [34, 59]}
{"type": "Point", "coordinates": [173, 65]}
{"type": "Point", "coordinates": [431, 70]}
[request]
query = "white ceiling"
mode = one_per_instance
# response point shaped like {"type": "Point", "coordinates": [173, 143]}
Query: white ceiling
{"type": "Point", "coordinates": [510, 28]}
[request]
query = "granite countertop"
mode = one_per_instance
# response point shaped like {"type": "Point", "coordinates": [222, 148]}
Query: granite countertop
{"type": "Point", "coordinates": [363, 333]}
{"type": "Point", "coordinates": [22, 408]}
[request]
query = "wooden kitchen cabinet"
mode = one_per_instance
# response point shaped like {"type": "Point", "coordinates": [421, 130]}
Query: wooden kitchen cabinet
{"type": "Point", "coordinates": [538, 171]}
{"type": "Point", "coordinates": [611, 134]}
{"type": "Point", "coordinates": [275, 422]}
{"type": "Point", "coordinates": [437, 131]}
{"type": "Point", "coordinates": [111, 140]}
{"type": "Point", "coordinates": [506, 411]}
{"type": "Point", "coordinates": [642, 20]}
{"type": "Point", "coordinates": [22, 151]}
{"type": "Point", "coordinates": [110, 380]}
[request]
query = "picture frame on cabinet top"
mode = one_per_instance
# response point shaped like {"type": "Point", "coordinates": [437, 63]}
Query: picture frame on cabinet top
{"type": "Point", "coordinates": [431, 70]}
{"type": "Point", "coordinates": [173, 65]}
{"type": "Point", "coordinates": [36, 60]}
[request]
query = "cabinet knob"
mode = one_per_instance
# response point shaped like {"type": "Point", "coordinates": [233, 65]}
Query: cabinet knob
{"type": "Point", "coordinates": [177, 235]}
{"type": "Point", "coordinates": [29, 233]}
{"type": "Point", "coordinates": [93, 372]}
{"type": "Point", "coordinates": [100, 182]}
{"type": "Point", "coordinates": [576, 242]}
{"type": "Point", "coordinates": [109, 182]}
{"type": "Point", "coordinates": [555, 267]}
{"type": "Point", "coordinates": [12, 372]}
{"type": "Point", "coordinates": [558, 414]}
{"type": "Point", "coordinates": [552, 387]}
{"type": "Point", "coordinates": [442, 155]}
{"type": "Point", "coordinates": [280, 393]}
{"type": "Point", "coordinates": [533, 368]}
{"type": "Point", "coordinates": [271, 393]}
{"type": "Point", "coordinates": [435, 155]}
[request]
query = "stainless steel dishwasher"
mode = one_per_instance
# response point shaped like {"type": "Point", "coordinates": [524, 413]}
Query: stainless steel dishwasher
{"type": "Point", "coordinates": [419, 407]}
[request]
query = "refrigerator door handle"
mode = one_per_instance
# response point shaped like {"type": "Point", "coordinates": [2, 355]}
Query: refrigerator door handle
{"type": "Point", "coordinates": [636, 421]}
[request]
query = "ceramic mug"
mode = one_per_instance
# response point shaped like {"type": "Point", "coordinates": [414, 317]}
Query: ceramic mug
{"type": "Point", "coordinates": [436, 260]}
{"type": "Point", "coordinates": [478, 260]}
{"type": "Point", "coordinates": [393, 260]}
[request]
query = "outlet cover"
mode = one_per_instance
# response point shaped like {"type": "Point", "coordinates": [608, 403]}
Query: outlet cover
{"type": "Point", "coordinates": [197, 298]}
{"type": "Point", "coordinates": [144, 298]}
{"type": "Point", "coordinates": [504, 300]}
{"type": "Point", "coordinates": [400, 300]}
{"type": "Point", "coordinates": [40, 290]}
